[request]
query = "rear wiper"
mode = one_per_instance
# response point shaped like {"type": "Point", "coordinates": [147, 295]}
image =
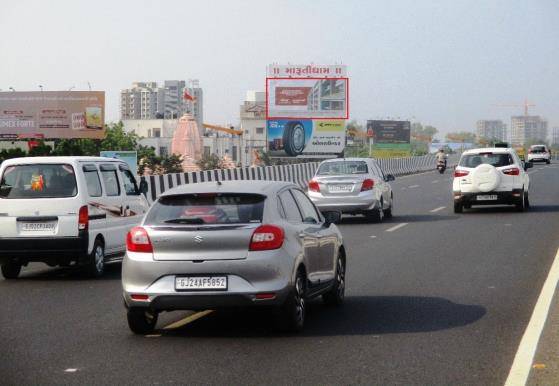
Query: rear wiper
{"type": "Point", "coordinates": [195, 221]}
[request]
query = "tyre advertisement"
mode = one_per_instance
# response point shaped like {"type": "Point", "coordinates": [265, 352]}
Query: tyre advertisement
{"type": "Point", "coordinates": [305, 137]}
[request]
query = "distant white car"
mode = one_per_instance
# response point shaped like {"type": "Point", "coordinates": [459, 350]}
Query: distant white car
{"type": "Point", "coordinates": [539, 153]}
{"type": "Point", "coordinates": [491, 176]}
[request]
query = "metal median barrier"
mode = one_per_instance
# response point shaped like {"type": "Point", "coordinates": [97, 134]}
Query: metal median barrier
{"type": "Point", "coordinates": [299, 174]}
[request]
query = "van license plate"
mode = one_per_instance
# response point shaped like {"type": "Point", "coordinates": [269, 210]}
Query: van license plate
{"type": "Point", "coordinates": [38, 226]}
{"type": "Point", "coordinates": [487, 197]}
{"type": "Point", "coordinates": [200, 283]}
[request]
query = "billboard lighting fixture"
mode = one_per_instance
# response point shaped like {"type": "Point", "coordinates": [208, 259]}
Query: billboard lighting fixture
{"type": "Point", "coordinates": [13, 89]}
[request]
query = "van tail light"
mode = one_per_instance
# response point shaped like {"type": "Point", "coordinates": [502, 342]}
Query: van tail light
{"type": "Point", "coordinates": [83, 218]}
{"type": "Point", "coordinates": [313, 186]}
{"type": "Point", "coordinates": [368, 184]}
{"type": "Point", "coordinates": [137, 240]}
{"type": "Point", "coordinates": [512, 172]}
{"type": "Point", "coordinates": [461, 173]}
{"type": "Point", "coordinates": [266, 237]}
{"type": "Point", "coordinates": [529, 151]}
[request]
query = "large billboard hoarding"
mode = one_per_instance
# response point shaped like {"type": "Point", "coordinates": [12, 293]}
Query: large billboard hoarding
{"type": "Point", "coordinates": [305, 137]}
{"type": "Point", "coordinates": [389, 131]}
{"type": "Point", "coordinates": [52, 114]}
{"type": "Point", "coordinates": [307, 98]}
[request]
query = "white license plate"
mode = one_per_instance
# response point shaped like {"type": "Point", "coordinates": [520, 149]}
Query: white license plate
{"type": "Point", "coordinates": [186, 283]}
{"type": "Point", "coordinates": [487, 197]}
{"type": "Point", "coordinates": [38, 226]}
{"type": "Point", "coordinates": [340, 188]}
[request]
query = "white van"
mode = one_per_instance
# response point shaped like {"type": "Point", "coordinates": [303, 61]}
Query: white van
{"type": "Point", "coordinates": [66, 211]}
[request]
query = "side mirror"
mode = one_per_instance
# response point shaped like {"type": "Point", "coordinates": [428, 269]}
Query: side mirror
{"type": "Point", "coordinates": [528, 165]}
{"type": "Point", "coordinates": [143, 187]}
{"type": "Point", "coordinates": [331, 218]}
{"type": "Point", "coordinates": [389, 177]}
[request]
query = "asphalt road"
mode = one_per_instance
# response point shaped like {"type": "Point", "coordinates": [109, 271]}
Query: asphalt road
{"type": "Point", "coordinates": [443, 299]}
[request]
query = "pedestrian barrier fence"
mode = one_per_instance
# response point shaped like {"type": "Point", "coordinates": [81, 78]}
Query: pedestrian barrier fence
{"type": "Point", "coordinates": [299, 174]}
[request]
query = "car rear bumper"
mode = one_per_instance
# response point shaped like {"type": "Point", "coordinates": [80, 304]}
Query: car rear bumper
{"type": "Point", "coordinates": [44, 249]}
{"type": "Point", "coordinates": [503, 198]}
{"type": "Point", "coordinates": [347, 204]}
{"type": "Point", "coordinates": [261, 273]}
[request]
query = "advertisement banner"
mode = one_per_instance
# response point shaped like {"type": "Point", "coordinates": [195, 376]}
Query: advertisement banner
{"type": "Point", "coordinates": [130, 157]}
{"type": "Point", "coordinates": [389, 131]}
{"type": "Point", "coordinates": [391, 150]}
{"type": "Point", "coordinates": [307, 98]}
{"type": "Point", "coordinates": [52, 114]}
{"type": "Point", "coordinates": [305, 137]}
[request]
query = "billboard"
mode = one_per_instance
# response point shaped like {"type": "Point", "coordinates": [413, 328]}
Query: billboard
{"type": "Point", "coordinates": [307, 98]}
{"type": "Point", "coordinates": [305, 137]}
{"type": "Point", "coordinates": [52, 114]}
{"type": "Point", "coordinates": [307, 70]}
{"type": "Point", "coordinates": [130, 157]}
{"type": "Point", "coordinates": [391, 139]}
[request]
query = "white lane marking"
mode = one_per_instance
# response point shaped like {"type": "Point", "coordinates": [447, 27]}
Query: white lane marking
{"type": "Point", "coordinates": [373, 236]}
{"type": "Point", "coordinates": [413, 186]}
{"type": "Point", "coordinates": [188, 319]}
{"type": "Point", "coordinates": [524, 357]}
{"type": "Point", "coordinates": [403, 188]}
{"type": "Point", "coordinates": [434, 181]}
{"type": "Point", "coordinates": [70, 370]}
{"type": "Point", "coordinates": [437, 209]}
{"type": "Point", "coordinates": [397, 227]}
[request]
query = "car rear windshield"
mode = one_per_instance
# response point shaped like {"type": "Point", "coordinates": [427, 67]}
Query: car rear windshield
{"type": "Point", "coordinates": [337, 168]}
{"type": "Point", "coordinates": [538, 149]}
{"type": "Point", "coordinates": [210, 208]}
{"type": "Point", "coordinates": [38, 181]}
{"type": "Point", "coordinates": [495, 159]}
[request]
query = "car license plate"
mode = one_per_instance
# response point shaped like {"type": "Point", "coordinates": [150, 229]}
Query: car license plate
{"type": "Point", "coordinates": [487, 197]}
{"type": "Point", "coordinates": [38, 226]}
{"type": "Point", "coordinates": [200, 283]}
{"type": "Point", "coordinates": [340, 188]}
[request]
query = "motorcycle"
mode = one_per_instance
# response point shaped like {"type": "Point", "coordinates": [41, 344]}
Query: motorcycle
{"type": "Point", "coordinates": [441, 166]}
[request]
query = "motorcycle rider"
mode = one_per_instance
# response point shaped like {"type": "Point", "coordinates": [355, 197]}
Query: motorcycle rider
{"type": "Point", "coordinates": [441, 157]}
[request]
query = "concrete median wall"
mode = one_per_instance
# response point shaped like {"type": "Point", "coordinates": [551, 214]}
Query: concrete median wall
{"type": "Point", "coordinates": [300, 174]}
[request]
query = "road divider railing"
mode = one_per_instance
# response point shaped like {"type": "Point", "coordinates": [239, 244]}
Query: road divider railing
{"type": "Point", "coordinates": [299, 174]}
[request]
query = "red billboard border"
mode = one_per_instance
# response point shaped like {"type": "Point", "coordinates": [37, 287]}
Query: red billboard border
{"type": "Point", "coordinates": [268, 117]}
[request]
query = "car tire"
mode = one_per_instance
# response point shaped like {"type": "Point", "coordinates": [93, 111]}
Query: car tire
{"type": "Point", "coordinates": [335, 295]}
{"type": "Point", "coordinates": [141, 320]}
{"type": "Point", "coordinates": [95, 266]}
{"type": "Point", "coordinates": [377, 214]}
{"type": "Point", "coordinates": [293, 312]}
{"type": "Point", "coordinates": [458, 207]}
{"type": "Point", "coordinates": [11, 270]}
{"type": "Point", "coordinates": [294, 138]}
{"type": "Point", "coordinates": [388, 212]}
{"type": "Point", "coordinates": [548, 161]}
{"type": "Point", "coordinates": [521, 204]}
{"type": "Point", "coordinates": [467, 206]}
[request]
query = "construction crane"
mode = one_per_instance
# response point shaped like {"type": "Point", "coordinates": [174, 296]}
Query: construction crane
{"type": "Point", "coordinates": [526, 104]}
{"type": "Point", "coordinates": [222, 129]}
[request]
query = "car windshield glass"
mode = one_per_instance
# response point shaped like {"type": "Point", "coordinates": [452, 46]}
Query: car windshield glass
{"type": "Point", "coordinates": [38, 181]}
{"type": "Point", "coordinates": [342, 167]}
{"type": "Point", "coordinates": [201, 209]}
{"type": "Point", "coordinates": [538, 149]}
{"type": "Point", "coordinates": [495, 159]}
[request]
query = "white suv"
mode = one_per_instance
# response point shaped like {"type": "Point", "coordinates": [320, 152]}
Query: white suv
{"type": "Point", "coordinates": [491, 176]}
{"type": "Point", "coordinates": [539, 153]}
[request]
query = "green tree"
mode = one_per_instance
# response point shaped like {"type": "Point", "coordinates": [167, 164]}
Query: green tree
{"type": "Point", "coordinates": [210, 162]}
{"type": "Point", "coordinates": [11, 153]}
{"type": "Point", "coordinates": [41, 150]}
{"type": "Point", "coordinates": [171, 164]}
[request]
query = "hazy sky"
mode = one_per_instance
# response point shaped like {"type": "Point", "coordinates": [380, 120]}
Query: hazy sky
{"type": "Point", "coordinates": [444, 63]}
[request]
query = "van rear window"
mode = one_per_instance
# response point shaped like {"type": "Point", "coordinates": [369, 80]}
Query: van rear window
{"type": "Point", "coordinates": [38, 181]}
{"type": "Point", "coordinates": [210, 208]}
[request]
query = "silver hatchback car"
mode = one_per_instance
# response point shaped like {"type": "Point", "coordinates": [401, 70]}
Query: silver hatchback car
{"type": "Point", "coordinates": [232, 244]}
{"type": "Point", "coordinates": [353, 186]}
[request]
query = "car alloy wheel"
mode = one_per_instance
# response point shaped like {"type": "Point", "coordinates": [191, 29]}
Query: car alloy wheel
{"type": "Point", "coordinates": [96, 264]}
{"type": "Point", "coordinates": [335, 296]}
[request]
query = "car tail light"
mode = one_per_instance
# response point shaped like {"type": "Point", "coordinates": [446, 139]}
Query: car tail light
{"type": "Point", "coordinates": [368, 184]}
{"type": "Point", "coordinates": [461, 173]}
{"type": "Point", "coordinates": [83, 218]}
{"type": "Point", "coordinates": [266, 237]}
{"type": "Point", "coordinates": [512, 171]}
{"type": "Point", "coordinates": [313, 186]}
{"type": "Point", "coordinates": [529, 151]}
{"type": "Point", "coordinates": [137, 240]}
{"type": "Point", "coordinates": [140, 297]}
{"type": "Point", "coordinates": [265, 296]}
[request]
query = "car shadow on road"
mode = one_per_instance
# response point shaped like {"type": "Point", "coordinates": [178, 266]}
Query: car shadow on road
{"type": "Point", "coordinates": [360, 315]}
{"type": "Point", "coordinates": [399, 219]}
{"type": "Point", "coordinates": [46, 273]}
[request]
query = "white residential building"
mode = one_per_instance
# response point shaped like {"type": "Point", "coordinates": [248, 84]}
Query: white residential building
{"type": "Point", "coordinates": [253, 124]}
{"type": "Point", "coordinates": [526, 128]}
{"type": "Point", "coordinates": [492, 130]}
